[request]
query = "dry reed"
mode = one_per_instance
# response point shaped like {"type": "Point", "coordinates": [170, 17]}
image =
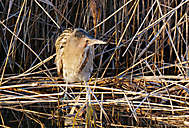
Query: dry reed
{"type": "Point", "coordinates": [140, 77]}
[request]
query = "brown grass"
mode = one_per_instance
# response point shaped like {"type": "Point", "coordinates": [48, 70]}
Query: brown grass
{"type": "Point", "coordinates": [140, 77]}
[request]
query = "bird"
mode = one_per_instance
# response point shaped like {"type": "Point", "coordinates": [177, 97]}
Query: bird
{"type": "Point", "coordinates": [74, 55]}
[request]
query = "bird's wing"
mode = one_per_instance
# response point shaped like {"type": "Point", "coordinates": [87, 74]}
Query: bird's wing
{"type": "Point", "coordinates": [60, 43]}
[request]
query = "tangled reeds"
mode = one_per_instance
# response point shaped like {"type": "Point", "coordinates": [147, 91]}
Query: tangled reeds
{"type": "Point", "coordinates": [140, 77]}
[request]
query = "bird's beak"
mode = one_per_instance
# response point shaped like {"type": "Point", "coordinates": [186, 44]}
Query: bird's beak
{"type": "Point", "coordinates": [95, 41]}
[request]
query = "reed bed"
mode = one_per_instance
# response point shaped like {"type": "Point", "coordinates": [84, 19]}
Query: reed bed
{"type": "Point", "coordinates": [140, 77]}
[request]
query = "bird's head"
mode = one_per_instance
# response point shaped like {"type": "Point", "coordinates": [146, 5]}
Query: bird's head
{"type": "Point", "coordinates": [83, 39]}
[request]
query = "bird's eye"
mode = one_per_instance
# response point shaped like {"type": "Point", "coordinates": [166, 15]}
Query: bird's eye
{"type": "Point", "coordinates": [61, 46]}
{"type": "Point", "coordinates": [87, 41]}
{"type": "Point", "coordinates": [79, 34]}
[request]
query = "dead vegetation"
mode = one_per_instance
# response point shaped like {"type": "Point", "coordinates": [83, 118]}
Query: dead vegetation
{"type": "Point", "coordinates": [140, 77]}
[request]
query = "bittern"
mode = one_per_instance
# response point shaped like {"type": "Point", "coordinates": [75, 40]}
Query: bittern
{"type": "Point", "coordinates": [74, 55]}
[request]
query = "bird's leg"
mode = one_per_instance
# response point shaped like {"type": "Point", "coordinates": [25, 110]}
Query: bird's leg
{"type": "Point", "coordinates": [66, 90]}
{"type": "Point", "coordinates": [89, 111]}
{"type": "Point", "coordinates": [88, 95]}
{"type": "Point", "coordinates": [66, 112]}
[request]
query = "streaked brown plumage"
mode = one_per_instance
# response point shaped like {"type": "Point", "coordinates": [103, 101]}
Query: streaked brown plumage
{"type": "Point", "coordinates": [74, 55]}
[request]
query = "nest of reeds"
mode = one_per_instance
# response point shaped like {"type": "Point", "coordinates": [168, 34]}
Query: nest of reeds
{"type": "Point", "coordinates": [140, 77]}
